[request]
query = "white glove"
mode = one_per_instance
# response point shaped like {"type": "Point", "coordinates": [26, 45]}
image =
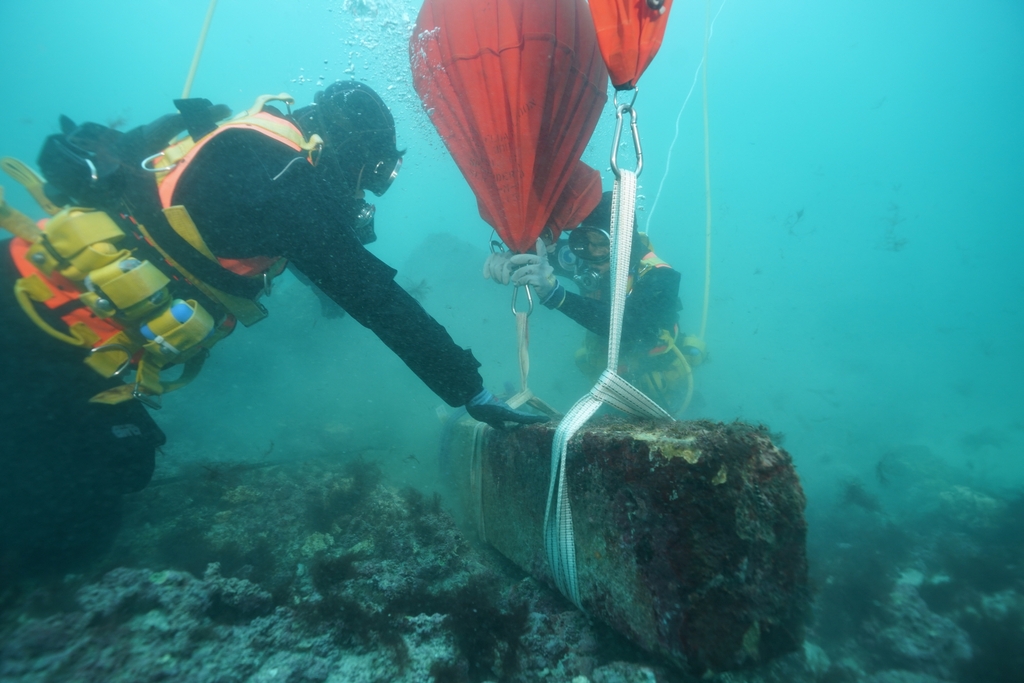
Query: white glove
{"type": "Point", "coordinates": [498, 267]}
{"type": "Point", "coordinates": [534, 270]}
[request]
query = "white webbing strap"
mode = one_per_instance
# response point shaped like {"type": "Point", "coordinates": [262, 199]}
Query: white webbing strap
{"type": "Point", "coordinates": [621, 232]}
{"type": "Point", "coordinates": [476, 473]}
{"type": "Point", "coordinates": [618, 393]}
{"type": "Point", "coordinates": [559, 536]}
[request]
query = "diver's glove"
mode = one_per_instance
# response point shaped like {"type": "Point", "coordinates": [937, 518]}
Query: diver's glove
{"type": "Point", "coordinates": [534, 270]}
{"type": "Point", "coordinates": [486, 407]}
{"type": "Point", "coordinates": [498, 267]}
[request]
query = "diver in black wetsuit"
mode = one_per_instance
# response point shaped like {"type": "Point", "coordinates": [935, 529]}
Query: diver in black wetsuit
{"type": "Point", "coordinates": [649, 357]}
{"type": "Point", "coordinates": [267, 188]}
{"type": "Point", "coordinates": [249, 195]}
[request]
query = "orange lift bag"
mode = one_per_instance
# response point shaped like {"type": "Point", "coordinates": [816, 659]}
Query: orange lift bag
{"type": "Point", "coordinates": [630, 33]}
{"type": "Point", "coordinates": [515, 89]}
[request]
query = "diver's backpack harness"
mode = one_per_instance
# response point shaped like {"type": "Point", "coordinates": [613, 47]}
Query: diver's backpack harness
{"type": "Point", "coordinates": [114, 293]}
{"type": "Point", "coordinates": [115, 305]}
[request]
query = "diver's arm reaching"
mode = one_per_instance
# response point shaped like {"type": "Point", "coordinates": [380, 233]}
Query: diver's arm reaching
{"type": "Point", "coordinates": [264, 204]}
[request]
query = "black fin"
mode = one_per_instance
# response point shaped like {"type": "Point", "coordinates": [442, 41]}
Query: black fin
{"type": "Point", "coordinates": [198, 114]}
{"type": "Point", "coordinates": [67, 125]}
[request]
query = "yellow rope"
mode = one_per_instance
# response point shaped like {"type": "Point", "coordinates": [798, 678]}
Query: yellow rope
{"type": "Point", "coordinates": [689, 379]}
{"type": "Point", "coordinates": [707, 179]}
{"type": "Point", "coordinates": [199, 50]}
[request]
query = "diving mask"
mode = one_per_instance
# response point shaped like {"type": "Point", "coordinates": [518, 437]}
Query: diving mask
{"type": "Point", "coordinates": [592, 245]}
{"type": "Point", "coordinates": [382, 176]}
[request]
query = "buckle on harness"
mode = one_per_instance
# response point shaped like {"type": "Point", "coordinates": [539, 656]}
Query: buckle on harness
{"type": "Point", "coordinates": [145, 399]}
{"type": "Point", "coordinates": [115, 347]}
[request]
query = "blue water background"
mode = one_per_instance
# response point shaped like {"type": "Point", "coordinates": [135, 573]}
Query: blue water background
{"type": "Point", "coordinates": [866, 171]}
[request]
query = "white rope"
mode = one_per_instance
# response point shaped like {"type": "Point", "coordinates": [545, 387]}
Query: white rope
{"type": "Point", "coordinates": [523, 342]}
{"type": "Point", "coordinates": [675, 137]}
{"type": "Point", "coordinates": [559, 534]}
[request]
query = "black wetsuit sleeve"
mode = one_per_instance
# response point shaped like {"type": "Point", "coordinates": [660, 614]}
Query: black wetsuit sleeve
{"type": "Point", "coordinates": [653, 305]}
{"type": "Point", "coordinates": [248, 201]}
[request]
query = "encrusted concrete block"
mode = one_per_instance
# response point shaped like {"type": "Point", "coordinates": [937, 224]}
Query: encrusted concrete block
{"type": "Point", "coordinates": [690, 536]}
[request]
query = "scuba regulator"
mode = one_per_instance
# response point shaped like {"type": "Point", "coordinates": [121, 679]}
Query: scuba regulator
{"type": "Point", "coordinates": [362, 224]}
{"type": "Point", "coordinates": [586, 277]}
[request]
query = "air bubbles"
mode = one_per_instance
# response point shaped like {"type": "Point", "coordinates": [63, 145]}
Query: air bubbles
{"type": "Point", "coordinates": [374, 41]}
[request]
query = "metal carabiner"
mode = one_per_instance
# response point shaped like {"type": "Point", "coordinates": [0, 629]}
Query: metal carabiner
{"type": "Point", "coordinates": [529, 299]}
{"type": "Point", "coordinates": [147, 166]}
{"type": "Point", "coordinates": [621, 109]}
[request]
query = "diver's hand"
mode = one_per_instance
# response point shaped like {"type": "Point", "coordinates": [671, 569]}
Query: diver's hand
{"type": "Point", "coordinates": [498, 267]}
{"type": "Point", "coordinates": [486, 407]}
{"type": "Point", "coordinates": [534, 270]}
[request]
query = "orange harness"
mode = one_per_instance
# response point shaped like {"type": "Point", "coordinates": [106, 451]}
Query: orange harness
{"type": "Point", "coordinates": [170, 165]}
{"type": "Point", "coordinates": [63, 294]}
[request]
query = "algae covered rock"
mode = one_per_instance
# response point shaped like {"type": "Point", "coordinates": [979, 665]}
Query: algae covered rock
{"type": "Point", "coordinates": [689, 536]}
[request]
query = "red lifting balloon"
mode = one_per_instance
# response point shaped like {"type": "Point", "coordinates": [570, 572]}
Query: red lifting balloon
{"type": "Point", "coordinates": [515, 88]}
{"type": "Point", "coordinates": [630, 33]}
{"type": "Point", "coordinates": [581, 195]}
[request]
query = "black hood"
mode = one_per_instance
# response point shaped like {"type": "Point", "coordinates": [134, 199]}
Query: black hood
{"type": "Point", "coordinates": [358, 132]}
